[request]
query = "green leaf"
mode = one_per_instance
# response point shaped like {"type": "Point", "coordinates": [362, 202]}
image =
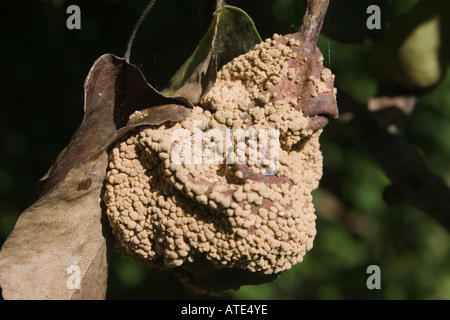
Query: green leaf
{"type": "Point", "coordinates": [231, 33]}
{"type": "Point", "coordinates": [236, 35]}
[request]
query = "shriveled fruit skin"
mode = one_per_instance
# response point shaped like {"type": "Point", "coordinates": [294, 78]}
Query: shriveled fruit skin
{"type": "Point", "coordinates": [223, 224]}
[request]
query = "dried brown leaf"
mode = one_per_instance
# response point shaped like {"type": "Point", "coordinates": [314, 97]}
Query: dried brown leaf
{"type": "Point", "coordinates": [64, 227]}
{"type": "Point", "coordinates": [114, 89]}
{"type": "Point", "coordinates": [60, 230]}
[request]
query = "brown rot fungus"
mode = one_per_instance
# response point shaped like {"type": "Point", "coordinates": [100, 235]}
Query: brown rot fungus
{"type": "Point", "coordinates": [223, 198]}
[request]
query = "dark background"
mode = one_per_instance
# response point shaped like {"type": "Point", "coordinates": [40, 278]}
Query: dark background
{"type": "Point", "coordinates": [42, 69]}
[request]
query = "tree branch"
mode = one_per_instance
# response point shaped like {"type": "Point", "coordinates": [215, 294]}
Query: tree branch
{"type": "Point", "coordinates": [412, 181]}
{"type": "Point", "coordinates": [313, 20]}
{"type": "Point", "coordinates": [219, 4]}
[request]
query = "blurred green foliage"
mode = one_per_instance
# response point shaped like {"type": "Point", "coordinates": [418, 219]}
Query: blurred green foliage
{"type": "Point", "coordinates": [42, 69]}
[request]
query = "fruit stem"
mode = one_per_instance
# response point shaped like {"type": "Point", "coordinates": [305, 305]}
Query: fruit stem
{"type": "Point", "coordinates": [313, 20]}
{"type": "Point", "coordinates": [135, 29]}
{"type": "Point", "coordinates": [219, 4]}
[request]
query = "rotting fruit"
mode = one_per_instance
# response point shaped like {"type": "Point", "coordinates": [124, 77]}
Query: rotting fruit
{"type": "Point", "coordinates": [222, 225]}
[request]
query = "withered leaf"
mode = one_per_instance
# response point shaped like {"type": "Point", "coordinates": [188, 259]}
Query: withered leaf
{"type": "Point", "coordinates": [114, 89]}
{"type": "Point", "coordinates": [57, 249]}
{"type": "Point", "coordinates": [157, 115]}
{"type": "Point", "coordinates": [64, 228]}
